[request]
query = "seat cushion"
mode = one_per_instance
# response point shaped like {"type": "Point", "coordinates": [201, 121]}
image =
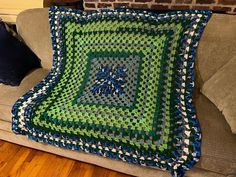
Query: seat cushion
{"type": "Point", "coordinates": [9, 94]}
{"type": "Point", "coordinates": [33, 27]}
{"type": "Point", "coordinates": [221, 90]}
{"type": "Point", "coordinates": [218, 152]}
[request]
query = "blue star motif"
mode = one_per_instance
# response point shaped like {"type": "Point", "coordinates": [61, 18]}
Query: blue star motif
{"type": "Point", "coordinates": [110, 80]}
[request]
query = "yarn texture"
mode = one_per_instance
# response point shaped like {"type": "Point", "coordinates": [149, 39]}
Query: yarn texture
{"type": "Point", "coordinates": [120, 87]}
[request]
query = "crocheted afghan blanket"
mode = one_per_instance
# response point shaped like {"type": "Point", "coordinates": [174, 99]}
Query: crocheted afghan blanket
{"type": "Point", "coordinates": [120, 87]}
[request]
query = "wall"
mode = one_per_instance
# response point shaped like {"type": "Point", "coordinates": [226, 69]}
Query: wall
{"type": "Point", "coordinates": [228, 6]}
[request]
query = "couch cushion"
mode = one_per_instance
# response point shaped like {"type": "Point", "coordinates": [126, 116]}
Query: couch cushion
{"type": "Point", "coordinates": [33, 27]}
{"type": "Point", "coordinates": [5, 112]}
{"type": "Point", "coordinates": [221, 90]}
{"type": "Point", "coordinates": [9, 94]}
{"type": "Point", "coordinates": [217, 45]}
{"type": "Point", "coordinates": [218, 143]}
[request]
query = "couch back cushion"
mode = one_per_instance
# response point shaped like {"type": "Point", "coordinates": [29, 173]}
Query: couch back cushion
{"type": "Point", "coordinates": [33, 27]}
{"type": "Point", "coordinates": [217, 45]}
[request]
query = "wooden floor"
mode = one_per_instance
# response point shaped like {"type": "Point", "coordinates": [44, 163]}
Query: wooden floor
{"type": "Point", "coordinates": [18, 161]}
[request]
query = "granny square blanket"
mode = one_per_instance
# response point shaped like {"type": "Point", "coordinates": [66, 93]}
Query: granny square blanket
{"type": "Point", "coordinates": [120, 87]}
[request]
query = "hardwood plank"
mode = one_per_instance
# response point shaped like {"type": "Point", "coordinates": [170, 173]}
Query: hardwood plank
{"type": "Point", "coordinates": [81, 169]}
{"type": "Point", "coordinates": [74, 171]}
{"type": "Point", "coordinates": [52, 166]}
{"type": "Point", "coordinates": [33, 168]}
{"type": "Point", "coordinates": [18, 161]}
{"type": "Point", "coordinates": [14, 163]}
{"type": "Point", "coordinates": [1, 143]}
{"type": "Point", "coordinates": [101, 173]}
{"type": "Point", "coordinates": [7, 151]}
{"type": "Point", "coordinates": [17, 171]}
{"type": "Point", "coordinates": [67, 168]}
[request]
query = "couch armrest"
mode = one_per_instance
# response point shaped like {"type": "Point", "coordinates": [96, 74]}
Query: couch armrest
{"type": "Point", "coordinates": [33, 26]}
{"type": "Point", "coordinates": [221, 90]}
{"type": "Point", "coordinates": [216, 47]}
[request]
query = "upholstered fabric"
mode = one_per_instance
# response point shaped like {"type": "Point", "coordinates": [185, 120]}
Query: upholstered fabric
{"type": "Point", "coordinates": [218, 142]}
{"type": "Point", "coordinates": [9, 94]}
{"type": "Point", "coordinates": [5, 126]}
{"type": "Point", "coordinates": [217, 46]}
{"type": "Point", "coordinates": [221, 90]}
{"type": "Point", "coordinates": [33, 27]}
{"type": "Point", "coordinates": [5, 112]}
